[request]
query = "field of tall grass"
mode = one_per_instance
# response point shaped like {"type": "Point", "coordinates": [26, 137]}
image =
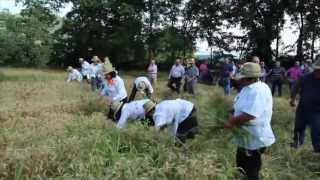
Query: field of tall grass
{"type": "Point", "coordinates": [51, 129]}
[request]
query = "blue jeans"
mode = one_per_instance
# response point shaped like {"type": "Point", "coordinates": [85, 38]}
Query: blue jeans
{"type": "Point", "coordinates": [227, 86]}
{"type": "Point", "coordinates": [304, 118]}
{"type": "Point", "coordinates": [95, 83]}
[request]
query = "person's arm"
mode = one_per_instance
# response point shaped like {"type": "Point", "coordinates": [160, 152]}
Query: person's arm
{"type": "Point", "coordinates": [237, 120]}
{"type": "Point", "coordinates": [69, 77]}
{"type": "Point", "coordinates": [295, 90]}
{"type": "Point", "coordinates": [133, 92]}
{"type": "Point", "coordinates": [170, 72]}
{"type": "Point", "coordinates": [121, 91]}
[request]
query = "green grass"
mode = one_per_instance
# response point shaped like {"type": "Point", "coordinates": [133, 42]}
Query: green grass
{"type": "Point", "coordinates": [51, 129]}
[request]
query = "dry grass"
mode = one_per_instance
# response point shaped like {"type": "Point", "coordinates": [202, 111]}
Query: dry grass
{"type": "Point", "coordinates": [50, 129]}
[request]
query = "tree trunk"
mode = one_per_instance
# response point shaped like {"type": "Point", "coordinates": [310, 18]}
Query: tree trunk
{"type": "Point", "coordinates": [150, 53]}
{"type": "Point", "coordinates": [278, 41]}
{"type": "Point", "coordinates": [312, 45]}
{"type": "Point", "coordinates": [299, 56]}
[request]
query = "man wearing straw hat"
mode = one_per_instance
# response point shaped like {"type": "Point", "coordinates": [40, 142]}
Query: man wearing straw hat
{"type": "Point", "coordinates": [179, 114]}
{"type": "Point", "coordinates": [253, 113]}
{"type": "Point", "coordinates": [96, 73]}
{"type": "Point", "coordinates": [122, 112]}
{"type": "Point", "coordinates": [308, 110]}
{"type": "Point", "coordinates": [74, 75]}
{"type": "Point", "coordinates": [141, 85]}
{"type": "Point", "coordinates": [113, 88]}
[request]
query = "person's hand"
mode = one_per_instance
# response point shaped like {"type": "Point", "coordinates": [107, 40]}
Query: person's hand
{"type": "Point", "coordinates": [292, 103]}
{"type": "Point", "coordinates": [228, 124]}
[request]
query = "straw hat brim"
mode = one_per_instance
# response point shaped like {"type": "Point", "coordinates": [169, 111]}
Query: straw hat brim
{"type": "Point", "coordinates": [117, 109]}
{"type": "Point", "coordinates": [242, 76]}
{"type": "Point", "coordinates": [149, 108]}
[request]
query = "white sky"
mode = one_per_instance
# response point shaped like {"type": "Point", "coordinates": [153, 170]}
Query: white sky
{"type": "Point", "coordinates": [288, 37]}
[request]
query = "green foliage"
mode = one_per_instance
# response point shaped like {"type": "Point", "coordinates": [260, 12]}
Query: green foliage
{"type": "Point", "coordinates": [25, 40]}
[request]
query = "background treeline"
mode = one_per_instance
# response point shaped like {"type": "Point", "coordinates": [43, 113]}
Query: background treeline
{"type": "Point", "coordinates": [131, 32]}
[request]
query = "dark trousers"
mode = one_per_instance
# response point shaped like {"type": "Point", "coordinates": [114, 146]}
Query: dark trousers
{"type": "Point", "coordinates": [111, 112]}
{"type": "Point", "coordinates": [304, 118]}
{"type": "Point", "coordinates": [249, 162]}
{"type": "Point", "coordinates": [134, 92]}
{"type": "Point", "coordinates": [175, 84]}
{"type": "Point", "coordinates": [188, 128]}
{"type": "Point", "coordinates": [277, 84]}
{"type": "Point", "coordinates": [96, 83]}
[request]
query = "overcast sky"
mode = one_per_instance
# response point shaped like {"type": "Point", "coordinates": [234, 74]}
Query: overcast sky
{"type": "Point", "coordinates": [287, 35]}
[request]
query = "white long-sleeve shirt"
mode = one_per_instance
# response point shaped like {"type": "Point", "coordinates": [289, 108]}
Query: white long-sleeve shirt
{"type": "Point", "coordinates": [132, 111]}
{"type": "Point", "coordinates": [177, 71]}
{"type": "Point", "coordinates": [96, 70]}
{"type": "Point", "coordinates": [146, 81]}
{"type": "Point", "coordinates": [172, 112]}
{"type": "Point", "coordinates": [74, 75]}
{"type": "Point", "coordinates": [85, 68]}
{"type": "Point", "coordinates": [116, 91]}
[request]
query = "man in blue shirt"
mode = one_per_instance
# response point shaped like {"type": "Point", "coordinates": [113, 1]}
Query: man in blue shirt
{"type": "Point", "coordinates": [308, 110]}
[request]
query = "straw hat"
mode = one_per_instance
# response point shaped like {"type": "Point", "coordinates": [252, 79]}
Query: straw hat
{"type": "Point", "coordinates": [70, 68]}
{"type": "Point", "coordinates": [81, 59]}
{"type": "Point", "coordinates": [249, 70]}
{"type": "Point", "coordinates": [316, 64]}
{"type": "Point", "coordinates": [141, 86]}
{"type": "Point", "coordinates": [115, 107]}
{"type": "Point", "coordinates": [148, 106]}
{"type": "Point", "coordinates": [107, 68]}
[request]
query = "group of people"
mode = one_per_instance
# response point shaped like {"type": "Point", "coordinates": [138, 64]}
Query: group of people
{"type": "Point", "coordinates": [252, 106]}
{"type": "Point", "coordinates": [186, 72]}
{"type": "Point", "coordinates": [275, 76]}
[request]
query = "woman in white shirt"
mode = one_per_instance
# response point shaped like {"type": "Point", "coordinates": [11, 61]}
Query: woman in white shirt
{"type": "Point", "coordinates": [113, 88]}
{"type": "Point", "coordinates": [179, 114]}
{"type": "Point", "coordinates": [143, 86]}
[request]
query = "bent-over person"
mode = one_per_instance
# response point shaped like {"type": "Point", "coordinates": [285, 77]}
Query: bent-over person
{"type": "Point", "coordinates": [179, 114]}
{"type": "Point", "coordinates": [143, 86]}
{"type": "Point", "coordinates": [123, 112]}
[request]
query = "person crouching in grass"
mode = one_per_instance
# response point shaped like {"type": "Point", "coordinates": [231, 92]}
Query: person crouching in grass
{"type": "Point", "coordinates": [113, 88]}
{"type": "Point", "coordinates": [253, 113]}
{"type": "Point", "coordinates": [143, 86]}
{"type": "Point", "coordinates": [74, 75]}
{"type": "Point", "coordinates": [123, 112]}
{"type": "Point", "coordinates": [179, 114]}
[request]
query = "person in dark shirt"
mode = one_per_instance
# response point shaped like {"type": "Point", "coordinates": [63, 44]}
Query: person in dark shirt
{"type": "Point", "coordinates": [277, 75]}
{"type": "Point", "coordinates": [308, 110]}
{"type": "Point", "coordinates": [226, 75]}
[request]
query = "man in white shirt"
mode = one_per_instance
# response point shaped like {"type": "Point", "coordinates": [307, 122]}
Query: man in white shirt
{"type": "Point", "coordinates": [123, 112]}
{"type": "Point", "coordinates": [253, 113]}
{"type": "Point", "coordinates": [176, 74]}
{"type": "Point", "coordinates": [74, 75]}
{"type": "Point", "coordinates": [96, 73]}
{"type": "Point", "coordinates": [179, 114]}
{"type": "Point", "coordinates": [141, 85]}
{"type": "Point", "coordinates": [85, 69]}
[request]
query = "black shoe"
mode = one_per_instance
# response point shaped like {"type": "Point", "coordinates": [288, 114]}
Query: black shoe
{"type": "Point", "coordinates": [294, 145]}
